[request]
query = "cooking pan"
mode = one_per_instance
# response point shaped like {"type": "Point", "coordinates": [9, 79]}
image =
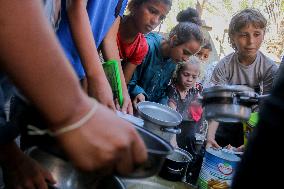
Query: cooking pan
{"type": "Point", "coordinates": [157, 149]}
{"type": "Point", "coordinates": [160, 119]}
{"type": "Point", "coordinates": [229, 103]}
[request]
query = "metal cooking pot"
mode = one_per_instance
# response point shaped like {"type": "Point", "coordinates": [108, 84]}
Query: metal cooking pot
{"type": "Point", "coordinates": [175, 165]}
{"type": "Point", "coordinates": [68, 177]}
{"type": "Point", "coordinates": [159, 119]}
{"type": "Point", "coordinates": [157, 149]}
{"type": "Point", "coordinates": [155, 182]}
{"type": "Point", "coordinates": [229, 103]}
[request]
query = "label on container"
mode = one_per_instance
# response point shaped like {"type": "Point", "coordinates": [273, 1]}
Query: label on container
{"type": "Point", "coordinates": [217, 169]}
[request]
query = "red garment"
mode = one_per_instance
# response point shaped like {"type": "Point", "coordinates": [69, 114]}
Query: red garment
{"type": "Point", "coordinates": [196, 112]}
{"type": "Point", "coordinates": [135, 52]}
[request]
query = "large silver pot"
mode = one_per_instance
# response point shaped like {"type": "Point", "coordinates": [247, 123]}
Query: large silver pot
{"type": "Point", "coordinates": [67, 177]}
{"type": "Point", "coordinates": [61, 169]}
{"type": "Point", "coordinates": [159, 119]}
{"type": "Point", "coordinates": [155, 182]}
{"type": "Point", "coordinates": [228, 103]}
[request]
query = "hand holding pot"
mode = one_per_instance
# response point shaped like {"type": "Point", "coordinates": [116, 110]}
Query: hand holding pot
{"type": "Point", "coordinates": [109, 144]}
{"type": "Point", "coordinates": [21, 171]}
{"type": "Point", "coordinates": [139, 98]}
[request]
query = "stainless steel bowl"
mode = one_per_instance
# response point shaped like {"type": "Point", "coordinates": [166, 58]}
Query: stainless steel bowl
{"type": "Point", "coordinates": [158, 149]}
{"type": "Point", "coordinates": [52, 159]}
{"type": "Point", "coordinates": [68, 177]}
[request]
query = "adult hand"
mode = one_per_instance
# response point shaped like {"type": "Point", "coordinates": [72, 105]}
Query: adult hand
{"type": "Point", "coordinates": [22, 172]}
{"type": "Point", "coordinates": [101, 91]}
{"type": "Point", "coordinates": [211, 142]}
{"type": "Point", "coordinates": [139, 98]}
{"type": "Point", "coordinates": [105, 142]}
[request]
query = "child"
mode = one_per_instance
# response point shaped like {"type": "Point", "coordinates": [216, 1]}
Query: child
{"type": "Point", "coordinates": [85, 26]}
{"type": "Point", "coordinates": [206, 68]}
{"type": "Point", "coordinates": [183, 94]}
{"type": "Point", "coordinates": [144, 16]}
{"type": "Point", "coordinates": [152, 77]}
{"type": "Point", "coordinates": [183, 97]}
{"type": "Point", "coordinates": [205, 51]}
{"type": "Point", "coordinates": [246, 66]}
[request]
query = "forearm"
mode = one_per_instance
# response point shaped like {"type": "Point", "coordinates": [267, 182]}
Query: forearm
{"type": "Point", "coordinates": [212, 128]}
{"type": "Point", "coordinates": [83, 37]}
{"type": "Point", "coordinates": [128, 71]}
{"type": "Point", "coordinates": [110, 50]}
{"type": "Point", "coordinates": [33, 59]}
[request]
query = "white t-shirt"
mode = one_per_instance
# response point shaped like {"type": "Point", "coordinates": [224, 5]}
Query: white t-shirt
{"type": "Point", "coordinates": [259, 75]}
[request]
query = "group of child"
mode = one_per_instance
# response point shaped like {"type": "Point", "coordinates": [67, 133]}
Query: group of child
{"type": "Point", "coordinates": [163, 69]}
{"type": "Point", "coordinates": [156, 68]}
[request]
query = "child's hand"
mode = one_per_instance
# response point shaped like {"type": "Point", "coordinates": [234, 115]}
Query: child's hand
{"type": "Point", "coordinates": [139, 98]}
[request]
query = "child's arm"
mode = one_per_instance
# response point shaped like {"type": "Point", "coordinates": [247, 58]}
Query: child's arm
{"type": "Point", "coordinates": [98, 85]}
{"type": "Point", "coordinates": [128, 71]}
{"type": "Point", "coordinates": [110, 51]}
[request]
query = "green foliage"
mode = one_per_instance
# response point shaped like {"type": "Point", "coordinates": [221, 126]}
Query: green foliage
{"type": "Point", "coordinates": [244, 4]}
{"type": "Point", "coordinates": [228, 5]}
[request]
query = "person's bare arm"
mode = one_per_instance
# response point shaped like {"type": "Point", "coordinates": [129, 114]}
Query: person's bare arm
{"type": "Point", "coordinates": [110, 51]}
{"type": "Point", "coordinates": [33, 59]}
{"type": "Point", "coordinates": [212, 128]}
{"type": "Point", "coordinates": [97, 83]}
{"type": "Point", "coordinates": [128, 71]}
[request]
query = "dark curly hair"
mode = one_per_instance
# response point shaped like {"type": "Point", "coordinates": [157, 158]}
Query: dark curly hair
{"type": "Point", "coordinates": [189, 15]}
{"type": "Point", "coordinates": [244, 18]}
{"type": "Point", "coordinates": [207, 45]}
{"type": "Point", "coordinates": [136, 3]}
{"type": "Point", "coordinates": [186, 31]}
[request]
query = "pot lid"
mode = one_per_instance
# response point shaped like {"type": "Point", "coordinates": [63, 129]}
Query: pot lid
{"type": "Point", "coordinates": [228, 88]}
{"type": "Point", "coordinates": [159, 114]}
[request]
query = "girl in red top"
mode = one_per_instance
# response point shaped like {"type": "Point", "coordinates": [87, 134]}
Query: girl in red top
{"type": "Point", "coordinates": [143, 17]}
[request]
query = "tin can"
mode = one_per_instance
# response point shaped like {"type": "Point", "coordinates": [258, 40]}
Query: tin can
{"type": "Point", "coordinates": [217, 169]}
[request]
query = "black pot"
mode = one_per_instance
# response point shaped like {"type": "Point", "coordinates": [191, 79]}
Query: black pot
{"type": "Point", "coordinates": [175, 165]}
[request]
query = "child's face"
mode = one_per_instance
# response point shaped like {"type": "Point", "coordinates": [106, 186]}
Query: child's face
{"type": "Point", "coordinates": [150, 14]}
{"type": "Point", "coordinates": [248, 40]}
{"type": "Point", "coordinates": [188, 76]}
{"type": "Point", "coordinates": [182, 52]}
{"type": "Point", "coordinates": [203, 54]}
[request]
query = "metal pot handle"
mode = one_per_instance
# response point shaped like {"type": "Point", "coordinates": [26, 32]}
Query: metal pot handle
{"type": "Point", "coordinates": [171, 130]}
{"type": "Point", "coordinates": [255, 100]}
{"type": "Point", "coordinates": [176, 171]}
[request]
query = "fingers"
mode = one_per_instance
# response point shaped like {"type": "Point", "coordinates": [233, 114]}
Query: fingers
{"type": "Point", "coordinates": [111, 105]}
{"type": "Point", "coordinates": [127, 107]}
{"type": "Point", "coordinates": [125, 162]}
{"type": "Point", "coordinates": [139, 150]}
{"type": "Point", "coordinates": [48, 177]}
{"type": "Point", "coordinates": [130, 109]}
{"type": "Point", "coordinates": [117, 104]}
{"type": "Point", "coordinates": [135, 103]}
{"type": "Point", "coordinates": [40, 183]}
{"type": "Point", "coordinates": [212, 143]}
